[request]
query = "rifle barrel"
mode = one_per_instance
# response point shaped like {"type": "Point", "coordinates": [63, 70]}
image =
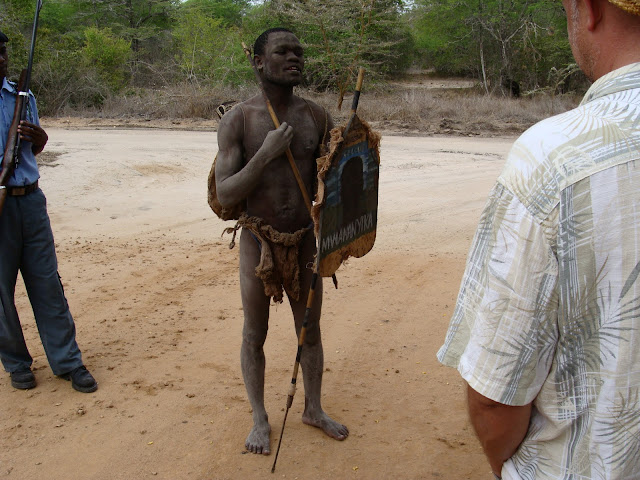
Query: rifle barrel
{"type": "Point", "coordinates": [33, 46]}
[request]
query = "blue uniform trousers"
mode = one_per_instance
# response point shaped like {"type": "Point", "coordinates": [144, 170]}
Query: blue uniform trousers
{"type": "Point", "coordinates": [26, 244]}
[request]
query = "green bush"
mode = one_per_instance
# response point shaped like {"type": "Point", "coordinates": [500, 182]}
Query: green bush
{"type": "Point", "coordinates": [209, 51]}
{"type": "Point", "coordinates": [108, 55]}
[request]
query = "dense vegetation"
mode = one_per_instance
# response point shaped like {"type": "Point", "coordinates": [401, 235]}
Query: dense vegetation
{"type": "Point", "coordinates": [91, 50]}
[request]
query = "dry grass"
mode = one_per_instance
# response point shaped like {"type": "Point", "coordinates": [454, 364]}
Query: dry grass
{"type": "Point", "coordinates": [464, 112]}
{"type": "Point", "coordinates": [407, 109]}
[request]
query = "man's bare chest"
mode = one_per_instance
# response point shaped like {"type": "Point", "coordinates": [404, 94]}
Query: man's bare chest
{"type": "Point", "coordinates": [304, 145]}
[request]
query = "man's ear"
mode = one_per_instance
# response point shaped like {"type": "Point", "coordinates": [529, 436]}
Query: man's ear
{"type": "Point", "coordinates": [257, 60]}
{"type": "Point", "coordinates": [593, 10]}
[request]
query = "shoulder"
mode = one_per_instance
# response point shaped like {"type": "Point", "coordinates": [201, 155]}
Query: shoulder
{"type": "Point", "coordinates": [536, 161]}
{"type": "Point", "coordinates": [538, 143]}
{"type": "Point", "coordinates": [253, 104]}
{"type": "Point", "coordinates": [569, 146]}
{"type": "Point", "coordinates": [231, 116]}
{"type": "Point", "coordinates": [246, 110]}
{"type": "Point", "coordinates": [316, 109]}
{"type": "Point", "coordinates": [235, 117]}
{"type": "Point", "coordinates": [320, 115]}
{"type": "Point", "coordinates": [231, 126]}
{"type": "Point", "coordinates": [12, 87]}
{"type": "Point", "coordinates": [9, 86]}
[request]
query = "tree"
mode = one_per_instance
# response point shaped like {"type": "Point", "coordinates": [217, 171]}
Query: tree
{"type": "Point", "coordinates": [137, 21]}
{"type": "Point", "coordinates": [494, 40]}
{"type": "Point", "coordinates": [16, 20]}
{"type": "Point", "coordinates": [230, 12]}
{"type": "Point", "coordinates": [108, 55]}
{"type": "Point", "coordinates": [145, 24]}
{"type": "Point", "coordinates": [207, 50]}
{"type": "Point", "coordinates": [343, 35]}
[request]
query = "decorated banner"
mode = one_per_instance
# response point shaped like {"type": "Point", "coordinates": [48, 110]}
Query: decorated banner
{"type": "Point", "coordinates": [346, 209]}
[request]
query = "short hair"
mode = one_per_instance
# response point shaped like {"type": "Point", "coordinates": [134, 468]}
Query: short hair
{"type": "Point", "coordinates": [3, 38]}
{"type": "Point", "coordinates": [261, 41]}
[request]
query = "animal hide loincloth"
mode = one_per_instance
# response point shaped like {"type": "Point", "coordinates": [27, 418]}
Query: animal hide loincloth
{"type": "Point", "coordinates": [279, 256]}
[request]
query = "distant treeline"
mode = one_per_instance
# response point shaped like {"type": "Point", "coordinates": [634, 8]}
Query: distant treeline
{"type": "Point", "coordinates": [89, 50]}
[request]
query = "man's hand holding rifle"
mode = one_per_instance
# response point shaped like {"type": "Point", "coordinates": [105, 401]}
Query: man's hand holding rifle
{"type": "Point", "coordinates": [20, 129]}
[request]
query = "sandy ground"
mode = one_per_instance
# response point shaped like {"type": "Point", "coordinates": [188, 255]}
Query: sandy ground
{"type": "Point", "coordinates": [154, 292]}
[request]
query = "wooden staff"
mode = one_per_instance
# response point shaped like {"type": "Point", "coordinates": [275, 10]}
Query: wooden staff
{"type": "Point", "coordinates": [276, 123]}
{"type": "Point", "coordinates": [312, 288]}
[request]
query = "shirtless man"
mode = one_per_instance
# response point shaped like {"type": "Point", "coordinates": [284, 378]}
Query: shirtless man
{"type": "Point", "coordinates": [252, 167]}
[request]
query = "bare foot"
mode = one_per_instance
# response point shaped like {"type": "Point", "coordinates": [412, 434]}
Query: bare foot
{"type": "Point", "coordinates": [258, 439]}
{"type": "Point", "coordinates": [327, 424]}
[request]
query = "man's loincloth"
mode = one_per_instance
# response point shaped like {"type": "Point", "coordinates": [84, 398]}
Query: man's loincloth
{"type": "Point", "coordinates": [279, 256]}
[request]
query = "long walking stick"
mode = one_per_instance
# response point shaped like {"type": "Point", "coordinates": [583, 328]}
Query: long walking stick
{"type": "Point", "coordinates": [276, 123]}
{"type": "Point", "coordinates": [312, 288]}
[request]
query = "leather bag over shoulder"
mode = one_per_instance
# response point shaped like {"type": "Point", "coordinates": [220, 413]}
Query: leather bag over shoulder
{"type": "Point", "coordinates": [223, 213]}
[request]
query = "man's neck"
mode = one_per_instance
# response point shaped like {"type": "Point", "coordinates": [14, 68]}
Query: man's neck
{"type": "Point", "coordinates": [279, 96]}
{"type": "Point", "coordinates": [617, 40]}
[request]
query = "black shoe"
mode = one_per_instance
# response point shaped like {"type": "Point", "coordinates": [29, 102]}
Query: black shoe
{"type": "Point", "coordinates": [81, 380]}
{"type": "Point", "coordinates": [24, 380]}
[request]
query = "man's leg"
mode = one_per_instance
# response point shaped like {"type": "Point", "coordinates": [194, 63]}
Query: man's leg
{"type": "Point", "coordinates": [39, 268]}
{"type": "Point", "coordinates": [255, 305]}
{"type": "Point", "coordinates": [312, 358]}
{"type": "Point", "coordinates": [13, 349]}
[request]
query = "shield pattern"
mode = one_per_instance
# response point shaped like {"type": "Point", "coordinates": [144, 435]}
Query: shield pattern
{"type": "Point", "coordinates": [345, 211]}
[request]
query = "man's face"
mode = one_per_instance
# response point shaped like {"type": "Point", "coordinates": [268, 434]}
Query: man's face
{"type": "Point", "coordinates": [4, 60]}
{"type": "Point", "coordinates": [283, 59]}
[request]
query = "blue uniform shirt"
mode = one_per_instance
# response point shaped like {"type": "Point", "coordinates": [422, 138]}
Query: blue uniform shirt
{"type": "Point", "coordinates": [26, 172]}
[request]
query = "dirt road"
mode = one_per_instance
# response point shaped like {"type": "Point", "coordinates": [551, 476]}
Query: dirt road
{"type": "Point", "coordinates": [154, 292]}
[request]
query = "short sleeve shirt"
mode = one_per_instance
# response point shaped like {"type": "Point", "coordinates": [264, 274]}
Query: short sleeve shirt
{"type": "Point", "coordinates": [549, 306]}
{"type": "Point", "coordinates": [26, 172]}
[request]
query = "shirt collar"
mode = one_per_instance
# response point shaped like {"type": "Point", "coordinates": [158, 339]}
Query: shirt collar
{"type": "Point", "coordinates": [623, 78]}
{"type": "Point", "coordinates": [9, 86]}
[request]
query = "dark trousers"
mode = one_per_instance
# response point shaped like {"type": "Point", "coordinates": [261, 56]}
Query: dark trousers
{"type": "Point", "coordinates": [26, 244]}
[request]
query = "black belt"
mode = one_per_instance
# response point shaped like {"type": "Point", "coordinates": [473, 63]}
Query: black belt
{"type": "Point", "coordinates": [20, 191]}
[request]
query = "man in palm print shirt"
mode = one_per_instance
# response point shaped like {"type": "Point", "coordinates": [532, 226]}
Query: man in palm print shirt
{"type": "Point", "coordinates": [546, 330]}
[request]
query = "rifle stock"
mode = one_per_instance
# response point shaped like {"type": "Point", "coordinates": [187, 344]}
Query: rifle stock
{"type": "Point", "coordinates": [12, 145]}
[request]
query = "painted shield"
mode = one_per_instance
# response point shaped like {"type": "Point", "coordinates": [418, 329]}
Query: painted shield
{"type": "Point", "coordinates": [345, 212]}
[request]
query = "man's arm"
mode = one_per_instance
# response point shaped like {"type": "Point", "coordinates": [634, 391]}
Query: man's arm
{"type": "Point", "coordinates": [500, 428]}
{"type": "Point", "coordinates": [235, 179]}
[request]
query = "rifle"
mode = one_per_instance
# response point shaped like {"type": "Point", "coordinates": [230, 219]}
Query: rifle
{"type": "Point", "coordinates": [12, 145]}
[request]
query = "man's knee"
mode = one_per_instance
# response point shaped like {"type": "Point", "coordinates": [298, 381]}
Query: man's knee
{"type": "Point", "coordinates": [254, 338]}
{"type": "Point", "coordinates": [312, 334]}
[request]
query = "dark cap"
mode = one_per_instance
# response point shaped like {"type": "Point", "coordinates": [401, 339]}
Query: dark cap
{"type": "Point", "coordinates": [3, 37]}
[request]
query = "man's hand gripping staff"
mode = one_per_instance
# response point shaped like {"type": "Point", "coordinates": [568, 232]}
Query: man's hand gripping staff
{"type": "Point", "coordinates": [276, 123]}
{"type": "Point", "coordinates": [12, 144]}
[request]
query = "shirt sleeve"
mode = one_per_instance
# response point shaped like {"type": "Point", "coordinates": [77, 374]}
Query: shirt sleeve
{"type": "Point", "coordinates": [503, 332]}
